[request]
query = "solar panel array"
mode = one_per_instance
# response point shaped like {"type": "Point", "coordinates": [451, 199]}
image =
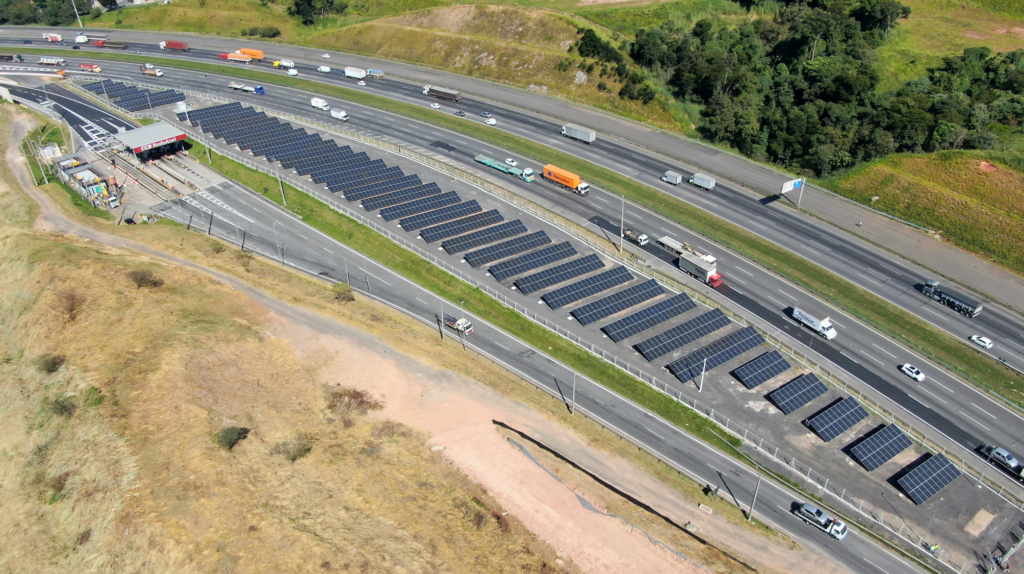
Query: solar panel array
{"type": "Point", "coordinates": [460, 226]}
{"type": "Point", "coordinates": [414, 222]}
{"type": "Point", "coordinates": [400, 196]}
{"type": "Point", "coordinates": [483, 237]}
{"type": "Point", "coordinates": [132, 98]}
{"type": "Point", "coordinates": [717, 353]}
{"type": "Point", "coordinates": [507, 249]}
{"type": "Point", "coordinates": [797, 393]}
{"type": "Point", "coordinates": [758, 371]}
{"type": "Point", "coordinates": [587, 287]}
{"type": "Point", "coordinates": [881, 447]}
{"type": "Point", "coordinates": [559, 274]}
{"type": "Point", "coordinates": [420, 205]}
{"type": "Point", "coordinates": [837, 419]}
{"type": "Point", "coordinates": [929, 478]}
{"type": "Point", "coordinates": [616, 302]}
{"type": "Point", "coordinates": [646, 318]}
{"type": "Point", "coordinates": [684, 334]}
{"type": "Point", "coordinates": [524, 263]}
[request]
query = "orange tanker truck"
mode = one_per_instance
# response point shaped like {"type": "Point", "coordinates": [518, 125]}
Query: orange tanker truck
{"type": "Point", "coordinates": [566, 179]}
{"type": "Point", "coordinates": [254, 54]}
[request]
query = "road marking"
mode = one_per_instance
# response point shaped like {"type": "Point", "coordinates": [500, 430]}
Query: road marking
{"type": "Point", "coordinates": [328, 250]}
{"type": "Point", "coordinates": [503, 347]}
{"type": "Point", "coordinates": [883, 350]}
{"type": "Point", "coordinates": [437, 134]}
{"type": "Point", "coordinates": [875, 565]}
{"type": "Point", "coordinates": [759, 225]}
{"type": "Point", "coordinates": [809, 249]}
{"type": "Point", "coordinates": [983, 411]}
{"type": "Point", "coordinates": [934, 313]}
{"type": "Point", "coordinates": [849, 357]}
{"type": "Point", "coordinates": [823, 238]}
{"type": "Point", "coordinates": [634, 215]}
{"type": "Point", "coordinates": [818, 244]}
{"type": "Point", "coordinates": [600, 199]}
{"type": "Point", "coordinates": [834, 322]}
{"type": "Point", "coordinates": [654, 433]}
{"type": "Point", "coordinates": [743, 270]}
{"type": "Point", "coordinates": [736, 291]}
{"type": "Point", "coordinates": [422, 301]}
{"type": "Point", "coordinates": [462, 142]}
{"type": "Point", "coordinates": [872, 358]}
{"type": "Point", "coordinates": [776, 300]}
{"type": "Point", "coordinates": [308, 259]}
{"type": "Point", "coordinates": [786, 294]}
{"type": "Point", "coordinates": [932, 394]}
{"type": "Point", "coordinates": [766, 220]}
{"type": "Point", "coordinates": [379, 279]}
{"type": "Point", "coordinates": [944, 386]}
{"type": "Point", "coordinates": [866, 278]}
{"type": "Point", "coordinates": [974, 421]}
{"type": "Point", "coordinates": [303, 236]}
{"type": "Point", "coordinates": [740, 280]}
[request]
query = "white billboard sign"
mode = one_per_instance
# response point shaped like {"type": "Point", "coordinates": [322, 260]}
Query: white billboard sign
{"type": "Point", "coordinates": [791, 185]}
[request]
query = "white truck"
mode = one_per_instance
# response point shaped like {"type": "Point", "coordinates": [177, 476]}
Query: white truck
{"type": "Point", "coordinates": [355, 73]}
{"type": "Point", "coordinates": [816, 517]}
{"type": "Point", "coordinates": [324, 69]}
{"type": "Point", "coordinates": [463, 325]}
{"type": "Point", "coordinates": [320, 104]}
{"type": "Point", "coordinates": [340, 115]}
{"type": "Point", "coordinates": [286, 64]}
{"type": "Point", "coordinates": [585, 135]}
{"type": "Point", "coordinates": [640, 239]}
{"type": "Point", "coordinates": [700, 265]}
{"type": "Point", "coordinates": [703, 180]}
{"type": "Point", "coordinates": [811, 319]}
{"type": "Point", "coordinates": [672, 177]}
{"type": "Point", "coordinates": [52, 61]}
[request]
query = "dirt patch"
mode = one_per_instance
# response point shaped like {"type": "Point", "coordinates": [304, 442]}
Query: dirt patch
{"type": "Point", "coordinates": [979, 523]}
{"type": "Point", "coordinates": [1014, 31]}
{"type": "Point", "coordinates": [974, 35]}
{"type": "Point", "coordinates": [987, 167]}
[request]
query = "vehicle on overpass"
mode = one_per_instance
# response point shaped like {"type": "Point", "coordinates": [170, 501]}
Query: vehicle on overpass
{"type": "Point", "coordinates": [960, 303]}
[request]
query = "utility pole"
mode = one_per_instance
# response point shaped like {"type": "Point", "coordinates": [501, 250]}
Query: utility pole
{"type": "Point", "coordinates": [440, 321]}
{"type": "Point", "coordinates": [622, 222]}
{"type": "Point", "coordinates": [753, 502]}
{"type": "Point", "coordinates": [799, 198]}
{"type": "Point", "coordinates": [281, 184]}
{"type": "Point", "coordinates": [573, 411]}
{"type": "Point", "coordinates": [703, 368]}
{"type": "Point", "coordinates": [76, 14]}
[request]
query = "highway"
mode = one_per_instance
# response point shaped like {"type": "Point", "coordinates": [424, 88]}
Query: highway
{"type": "Point", "coordinates": [954, 409]}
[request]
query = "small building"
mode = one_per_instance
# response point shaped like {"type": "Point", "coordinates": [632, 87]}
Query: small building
{"type": "Point", "coordinates": [85, 178]}
{"type": "Point", "coordinates": [152, 141]}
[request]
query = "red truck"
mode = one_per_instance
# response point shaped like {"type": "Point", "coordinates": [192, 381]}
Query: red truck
{"type": "Point", "coordinates": [109, 44]}
{"type": "Point", "coordinates": [91, 68]}
{"type": "Point", "coordinates": [174, 45]}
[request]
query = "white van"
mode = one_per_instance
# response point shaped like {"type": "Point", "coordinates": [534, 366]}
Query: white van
{"type": "Point", "coordinates": [320, 104]}
{"type": "Point", "coordinates": [324, 69]}
{"type": "Point", "coordinates": [491, 121]}
{"type": "Point", "coordinates": [339, 115]}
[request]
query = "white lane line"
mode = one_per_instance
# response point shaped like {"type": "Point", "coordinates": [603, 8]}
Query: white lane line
{"type": "Point", "coordinates": [823, 238]}
{"type": "Point", "coordinates": [503, 347]}
{"type": "Point", "coordinates": [891, 269]}
{"type": "Point", "coordinates": [422, 301]}
{"type": "Point", "coordinates": [759, 225]}
{"type": "Point", "coordinates": [875, 565]}
{"type": "Point", "coordinates": [437, 134]}
{"type": "Point", "coordinates": [776, 300]}
{"type": "Point", "coordinates": [663, 229]}
{"type": "Point", "coordinates": [932, 394]}
{"type": "Point", "coordinates": [654, 433]}
{"type": "Point", "coordinates": [834, 322]}
{"type": "Point", "coordinates": [819, 245]}
{"type": "Point", "coordinates": [743, 270]}
{"type": "Point", "coordinates": [328, 250]}
{"type": "Point", "coordinates": [740, 280]}
{"type": "Point", "coordinates": [973, 421]}
{"type": "Point", "coordinates": [634, 214]}
{"type": "Point", "coordinates": [766, 220]}
{"type": "Point", "coordinates": [810, 249]}
{"type": "Point", "coordinates": [379, 279]}
{"type": "Point", "coordinates": [934, 313]}
{"type": "Point", "coordinates": [849, 357]}
{"type": "Point", "coordinates": [786, 294]}
{"type": "Point", "coordinates": [882, 350]}
{"type": "Point", "coordinates": [462, 142]}
{"type": "Point", "coordinates": [303, 236]}
{"type": "Point", "coordinates": [944, 386]}
{"type": "Point", "coordinates": [983, 411]}
{"type": "Point", "coordinates": [308, 259]}
{"type": "Point", "coordinates": [737, 291]}
{"type": "Point", "coordinates": [872, 358]}
{"type": "Point", "coordinates": [601, 199]}
{"type": "Point", "coordinates": [870, 280]}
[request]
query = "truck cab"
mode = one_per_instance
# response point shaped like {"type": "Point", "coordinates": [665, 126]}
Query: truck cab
{"type": "Point", "coordinates": [320, 104]}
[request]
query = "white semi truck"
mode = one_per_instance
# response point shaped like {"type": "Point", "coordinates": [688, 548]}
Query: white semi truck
{"type": "Point", "coordinates": [585, 135]}
{"type": "Point", "coordinates": [703, 181]}
{"type": "Point", "coordinates": [703, 266]}
{"type": "Point", "coordinates": [817, 321]}
{"type": "Point", "coordinates": [355, 73]}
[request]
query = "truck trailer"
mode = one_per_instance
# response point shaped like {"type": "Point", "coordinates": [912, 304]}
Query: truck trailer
{"type": "Point", "coordinates": [375, 74]}
{"type": "Point", "coordinates": [703, 181]}
{"type": "Point", "coordinates": [817, 321]}
{"type": "Point", "coordinates": [816, 517]}
{"type": "Point", "coordinates": [700, 265]}
{"type": "Point", "coordinates": [339, 115]}
{"type": "Point", "coordinates": [89, 37]}
{"type": "Point", "coordinates": [284, 64]}
{"type": "Point", "coordinates": [566, 179]}
{"type": "Point", "coordinates": [53, 37]}
{"type": "Point", "coordinates": [354, 73]}
{"type": "Point", "coordinates": [11, 58]}
{"type": "Point", "coordinates": [252, 53]}
{"type": "Point", "coordinates": [961, 303]}
{"type": "Point", "coordinates": [90, 68]}
{"type": "Point", "coordinates": [236, 57]}
{"type": "Point", "coordinates": [672, 177]}
{"type": "Point", "coordinates": [156, 73]}
{"type": "Point", "coordinates": [640, 239]}
{"type": "Point", "coordinates": [581, 133]}
{"type": "Point", "coordinates": [52, 61]}
{"type": "Point", "coordinates": [523, 174]}
{"type": "Point", "coordinates": [174, 45]}
{"type": "Point", "coordinates": [442, 93]}
{"type": "Point", "coordinates": [110, 44]}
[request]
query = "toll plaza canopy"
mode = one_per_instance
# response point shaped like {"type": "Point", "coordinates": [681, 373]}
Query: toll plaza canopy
{"type": "Point", "coordinates": [150, 137]}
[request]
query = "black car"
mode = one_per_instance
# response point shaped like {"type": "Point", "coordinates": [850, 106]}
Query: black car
{"type": "Point", "coordinates": [76, 47]}
{"type": "Point", "coordinates": [26, 41]}
{"type": "Point", "coordinates": [460, 113]}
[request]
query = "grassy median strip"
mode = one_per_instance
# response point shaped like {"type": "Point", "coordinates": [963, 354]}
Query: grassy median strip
{"type": "Point", "coordinates": [413, 267]}
{"type": "Point", "coordinates": [953, 354]}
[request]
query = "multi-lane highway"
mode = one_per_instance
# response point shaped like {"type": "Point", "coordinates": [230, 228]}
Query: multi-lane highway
{"type": "Point", "coordinates": [954, 409]}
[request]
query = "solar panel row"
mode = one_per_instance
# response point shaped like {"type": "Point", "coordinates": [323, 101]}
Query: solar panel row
{"type": "Point", "coordinates": [530, 261]}
{"type": "Point", "coordinates": [558, 274]}
{"type": "Point", "coordinates": [684, 334]}
{"type": "Point", "coordinates": [507, 248]}
{"type": "Point", "coordinates": [929, 478]}
{"type": "Point", "coordinates": [797, 393]}
{"type": "Point", "coordinates": [483, 237]}
{"type": "Point", "coordinates": [881, 447]}
{"type": "Point", "coordinates": [414, 222]}
{"type": "Point", "coordinates": [761, 369]}
{"type": "Point", "coordinates": [401, 196]}
{"type": "Point", "coordinates": [420, 205]}
{"type": "Point", "coordinates": [131, 98]}
{"type": "Point", "coordinates": [650, 317]}
{"type": "Point", "coordinates": [460, 226]}
{"type": "Point", "coordinates": [587, 287]}
{"type": "Point", "coordinates": [616, 302]}
{"type": "Point", "coordinates": [729, 347]}
{"type": "Point", "coordinates": [837, 419]}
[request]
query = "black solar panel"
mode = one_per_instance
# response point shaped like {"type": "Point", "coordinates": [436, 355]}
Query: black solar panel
{"type": "Point", "coordinates": [929, 478]}
{"type": "Point", "coordinates": [717, 353]}
{"type": "Point", "coordinates": [616, 302]}
{"type": "Point", "coordinates": [797, 393]}
{"type": "Point", "coordinates": [684, 334]}
{"type": "Point", "coordinates": [507, 248]}
{"type": "Point", "coordinates": [646, 318]}
{"type": "Point", "coordinates": [400, 196]}
{"type": "Point", "coordinates": [483, 237]}
{"type": "Point", "coordinates": [420, 205]}
{"type": "Point", "coordinates": [881, 447]}
{"type": "Point", "coordinates": [525, 263]}
{"type": "Point", "coordinates": [758, 371]}
{"type": "Point", "coordinates": [587, 287]}
{"type": "Point", "coordinates": [436, 216]}
{"type": "Point", "coordinates": [558, 274]}
{"type": "Point", "coordinates": [460, 226]}
{"type": "Point", "coordinates": [837, 419]}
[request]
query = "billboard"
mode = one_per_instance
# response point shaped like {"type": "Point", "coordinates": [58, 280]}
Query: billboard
{"type": "Point", "coordinates": [791, 185]}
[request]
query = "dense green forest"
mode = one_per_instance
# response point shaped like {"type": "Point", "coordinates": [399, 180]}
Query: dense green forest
{"type": "Point", "coordinates": [49, 12]}
{"type": "Point", "coordinates": [799, 89]}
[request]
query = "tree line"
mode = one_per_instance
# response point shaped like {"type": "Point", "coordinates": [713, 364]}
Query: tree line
{"type": "Point", "coordinates": [48, 12]}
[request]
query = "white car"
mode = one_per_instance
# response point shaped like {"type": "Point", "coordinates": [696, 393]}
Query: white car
{"type": "Point", "coordinates": [324, 69]}
{"type": "Point", "coordinates": [491, 122]}
{"type": "Point", "coordinates": [435, 106]}
{"type": "Point", "coordinates": [325, 55]}
{"type": "Point", "coordinates": [360, 83]}
{"type": "Point", "coordinates": [980, 341]}
{"type": "Point", "coordinates": [912, 372]}
{"type": "Point", "coordinates": [293, 72]}
{"type": "Point", "coordinates": [149, 66]}
{"type": "Point", "coordinates": [511, 162]}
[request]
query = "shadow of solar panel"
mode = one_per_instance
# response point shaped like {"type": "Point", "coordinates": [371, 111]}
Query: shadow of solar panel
{"type": "Point", "coordinates": [401, 196]}
{"type": "Point", "coordinates": [797, 393]}
{"type": "Point", "coordinates": [684, 334]}
{"type": "Point", "coordinates": [436, 216]}
{"type": "Point", "coordinates": [506, 249]}
{"type": "Point", "coordinates": [758, 371]}
{"type": "Point", "coordinates": [881, 447]}
{"type": "Point", "coordinates": [588, 287]}
{"type": "Point", "coordinates": [729, 347]}
{"type": "Point", "coordinates": [837, 419]}
{"type": "Point", "coordinates": [460, 226]}
{"type": "Point", "coordinates": [383, 187]}
{"type": "Point", "coordinates": [420, 206]}
{"type": "Point", "coordinates": [483, 237]}
{"type": "Point", "coordinates": [929, 478]}
{"type": "Point", "coordinates": [530, 261]}
{"type": "Point", "coordinates": [558, 274]}
{"type": "Point", "coordinates": [616, 302]}
{"type": "Point", "coordinates": [646, 318]}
